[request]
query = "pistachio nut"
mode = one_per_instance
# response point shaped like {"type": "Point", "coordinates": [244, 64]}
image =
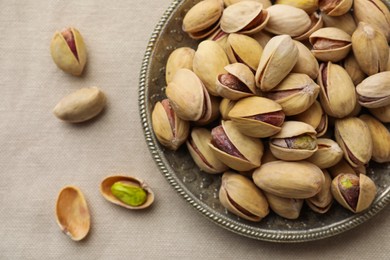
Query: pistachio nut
{"type": "Point", "coordinates": [328, 154]}
{"type": "Point", "coordinates": [287, 19]}
{"type": "Point", "coordinates": [238, 83]}
{"type": "Point", "coordinates": [180, 58]}
{"type": "Point", "coordinates": [323, 200]}
{"type": "Point", "coordinates": [309, 6]}
{"type": "Point", "coordinates": [330, 44]}
{"type": "Point", "coordinates": [380, 139]}
{"type": "Point", "coordinates": [246, 17]}
{"type": "Point", "coordinates": [316, 24]}
{"type": "Point", "coordinates": [307, 63]}
{"type": "Point", "coordinates": [80, 105]}
{"type": "Point", "coordinates": [374, 92]}
{"type": "Point", "coordinates": [284, 207]}
{"type": "Point", "coordinates": [241, 197]}
{"type": "Point", "coordinates": [265, 3]}
{"type": "Point", "coordinates": [337, 94]}
{"type": "Point", "coordinates": [225, 106]}
{"type": "Point", "coordinates": [200, 151]}
{"type": "Point", "coordinates": [344, 22]}
{"type": "Point", "coordinates": [335, 7]}
{"type": "Point", "coordinates": [203, 18]}
{"type": "Point", "coordinates": [244, 49]}
{"type": "Point", "coordinates": [353, 69]}
{"type": "Point", "coordinates": [257, 116]}
{"type": "Point", "coordinates": [354, 138]}
{"type": "Point", "coordinates": [355, 193]}
{"type": "Point", "coordinates": [236, 150]}
{"type": "Point", "coordinates": [209, 61]}
{"type": "Point", "coordinates": [128, 192]}
{"type": "Point", "coordinates": [299, 180]}
{"type": "Point", "coordinates": [68, 51]}
{"type": "Point", "coordinates": [370, 48]}
{"type": "Point", "coordinates": [188, 96]}
{"type": "Point", "coordinates": [381, 113]}
{"type": "Point", "coordinates": [279, 57]}
{"type": "Point", "coordinates": [72, 213]}
{"type": "Point", "coordinates": [296, 93]}
{"type": "Point", "coordinates": [373, 12]}
{"type": "Point", "coordinates": [316, 117]}
{"type": "Point", "coordinates": [170, 130]}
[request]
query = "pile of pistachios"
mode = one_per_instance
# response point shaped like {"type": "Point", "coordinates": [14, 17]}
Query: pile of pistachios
{"type": "Point", "coordinates": [287, 101]}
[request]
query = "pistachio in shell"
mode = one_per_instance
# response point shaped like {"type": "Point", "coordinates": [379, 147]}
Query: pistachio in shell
{"type": "Point", "coordinates": [307, 63]}
{"type": "Point", "coordinates": [72, 213]}
{"type": "Point", "coordinates": [299, 180]}
{"type": "Point", "coordinates": [381, 113]}
{"type": "Point", "coordinates": [353, 69]}
{"type": "Point", "coordinates": [265, 3]}
{"type": "Point", "coordinates": [344, 22]}
{"type": "Point", "coordinates": [373, 92]}
{"type": "Point", "coordinates": [323, 200]}
{"type": "Point", "coordinates": [68, 51]}
{"type": "Point", "coordinates": [257, 116]}
{"type": "Point", "coordinates": [130, 192]}
{"type": "Point", "coordinates": [170, 130]}
{"type": "Point", "coordinates": [314, 116]}
{"type": "Point", "coordinates": [225, 106]}
{"type": "Point", "coordinates": [355, 193]}
{"type": "Point", "coordinates": [328, 154]}
{"type": "Point", "coordinates": [316, 24]}
{"type": "Point", "coordinates": [285, 207]}
{"type": "Point", "coordinates": [335, 7]}
{"type": "Point", "coordinates": [309, 6]}
{"type": "Point", "coordinates": [180, 58]}
{"type": "Point", "coordinates": [200, 151]}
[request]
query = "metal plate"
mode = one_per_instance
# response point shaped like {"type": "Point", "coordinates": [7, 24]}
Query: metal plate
{"type": "Point", "coordinates": [200, 190]}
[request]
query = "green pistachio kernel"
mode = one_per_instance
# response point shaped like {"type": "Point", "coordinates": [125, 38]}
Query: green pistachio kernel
{"type": "Point", "coordinates": [129, 193]}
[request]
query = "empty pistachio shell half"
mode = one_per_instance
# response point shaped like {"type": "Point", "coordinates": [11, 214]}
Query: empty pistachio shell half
{"type": "Point", "coordinates": [68, 51]}
{"type": "Point", "coordinates": [80, 105]}
{"type": "Point", "coordinates": [128, 192]}
{"type": "Point", "coordinates": [72, 213]}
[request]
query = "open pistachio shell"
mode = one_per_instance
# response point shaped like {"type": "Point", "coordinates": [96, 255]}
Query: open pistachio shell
{"type": "Point", "coordinates": [300, 180]}
{"type": "Point", "coordinates": [296, 141]}
{"type": "Point", "coordinates": [284, 207]}
{"type": "Point", "coordinates": [68, 51]}
{"type": "Point", "coordinates": [328, 154]}
{"type": "Point", "coordinates": [198, 146]}
{"type": "Point", "coordinates": [344, 22]}
{"type": "Point", "coordinates": [72, 213]}
{"type": "Point", "coordinates": [323, 200]}
{"type": "Point", "coordinates": [354, 138]}
{"type": "Point", "coordinates": [180, 58]}
{"type": "Point", "coordinates": [316, 117]}
{"type": "Point", "coordinates": [108, 182]}
{"type": "Point", "coordinates": [374, 92]}
{"type": "Point", "coordinates": [335, 8]}
{"type": "Point", "coordinates": [355, 193]}
{"type": "Point", "coordinates": [240, 196]}
{"type": "Point", "coordinates": [203, 18]}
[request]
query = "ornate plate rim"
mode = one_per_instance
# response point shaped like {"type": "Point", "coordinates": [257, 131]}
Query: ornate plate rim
{"type": "Point", "coordinates": [223, 221]}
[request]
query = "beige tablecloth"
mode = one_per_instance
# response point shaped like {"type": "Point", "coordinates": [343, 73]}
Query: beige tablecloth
{"type": "Point", "coordinates": [40, 154]}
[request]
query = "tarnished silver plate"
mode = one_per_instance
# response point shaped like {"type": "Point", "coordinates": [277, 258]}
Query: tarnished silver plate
{"type": "Point", "coordinates": [200, 189]}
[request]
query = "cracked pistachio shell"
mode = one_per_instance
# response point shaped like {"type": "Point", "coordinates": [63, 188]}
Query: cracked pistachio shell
{"type": "Point", "coordinates": [328, 154]}
{"type": "Point", "coordinates": [330, 44]}
{"type": "Point", "coordinates": [251, 149]}
{"type": "Point", "coordinates": [296, 93]}
{"type": "Point", "coordinates": [225, 106]}
{"type": "Point", "coordinates": [239, 84]}
{"type": "Point", "coordinates": [246, 17]}
{"type": "Point", "coordinates": [80, 105]}
{"type": "Point", "coordinates": [200, 151]}
{"type": "Point", "coordinates": [170, 130]}
{"type": "Point", "coordinates": [269, 113]}
{"type": "Point", "coordinates": [316, 24]}
{"type": "Point", "coordinates": [209, 61]}
{"type": "Point", "coordinates": [284, 207]}
{"type": "Point", "coordinates": [203, 18]}
{"type": "Point", "coordinates": [316, 117]}
{"type": "Point", "coordinates": [265, 3]}
{"type": "Point", "coordinates": [360, 188]}
{"type": "Point", "coordinates": [307, 63]}
{"type": "Point", "coordinates": [64, 57]}
{"type": "Point", "coordinates": [309, 6]}
{"type": "Point", "coordinates": [370, 49]}
{"type": "Point", "coordinates": [180, 58]}
{"type": "Point", "coordinates": [287, 19]}
{"type": "Point", "coordinates": [72, 213]}
{"type": "Point", "coordinates": [374, 91]}
{"type": "Point", "coordinates": [244, 49]}
{"type": "Point", "coordinates": [373, 12]}
{"type": "Point", "coordinates": [354, 138]}
{"type": "Point", "coordinates": [188, 96]}
{"type": "Point", "coordinates": [279, 57]}
{"type": "Point", "coordinates": [296, 141]}
{"type": "Point", "coordinates": [380, 139]}
{"type": "Point", "coordinates": [241, 197]}
{"type": "Point", "coordinates": [337, 94]}
{"type": "Point", "coordinates": [323, 200]}
{"type": "Point", "coordinates": [108, 182]}
{"type": "Point", "coordinates": [344, 22]}
{"type": "Point", "coordinates": [381, 113]}
{"type": "Point", "coordinates": [353, 69]}
{"type": "Point", "coordinates": [299, 180]}
{"type": "Point", "coordinates": [335, 8]}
